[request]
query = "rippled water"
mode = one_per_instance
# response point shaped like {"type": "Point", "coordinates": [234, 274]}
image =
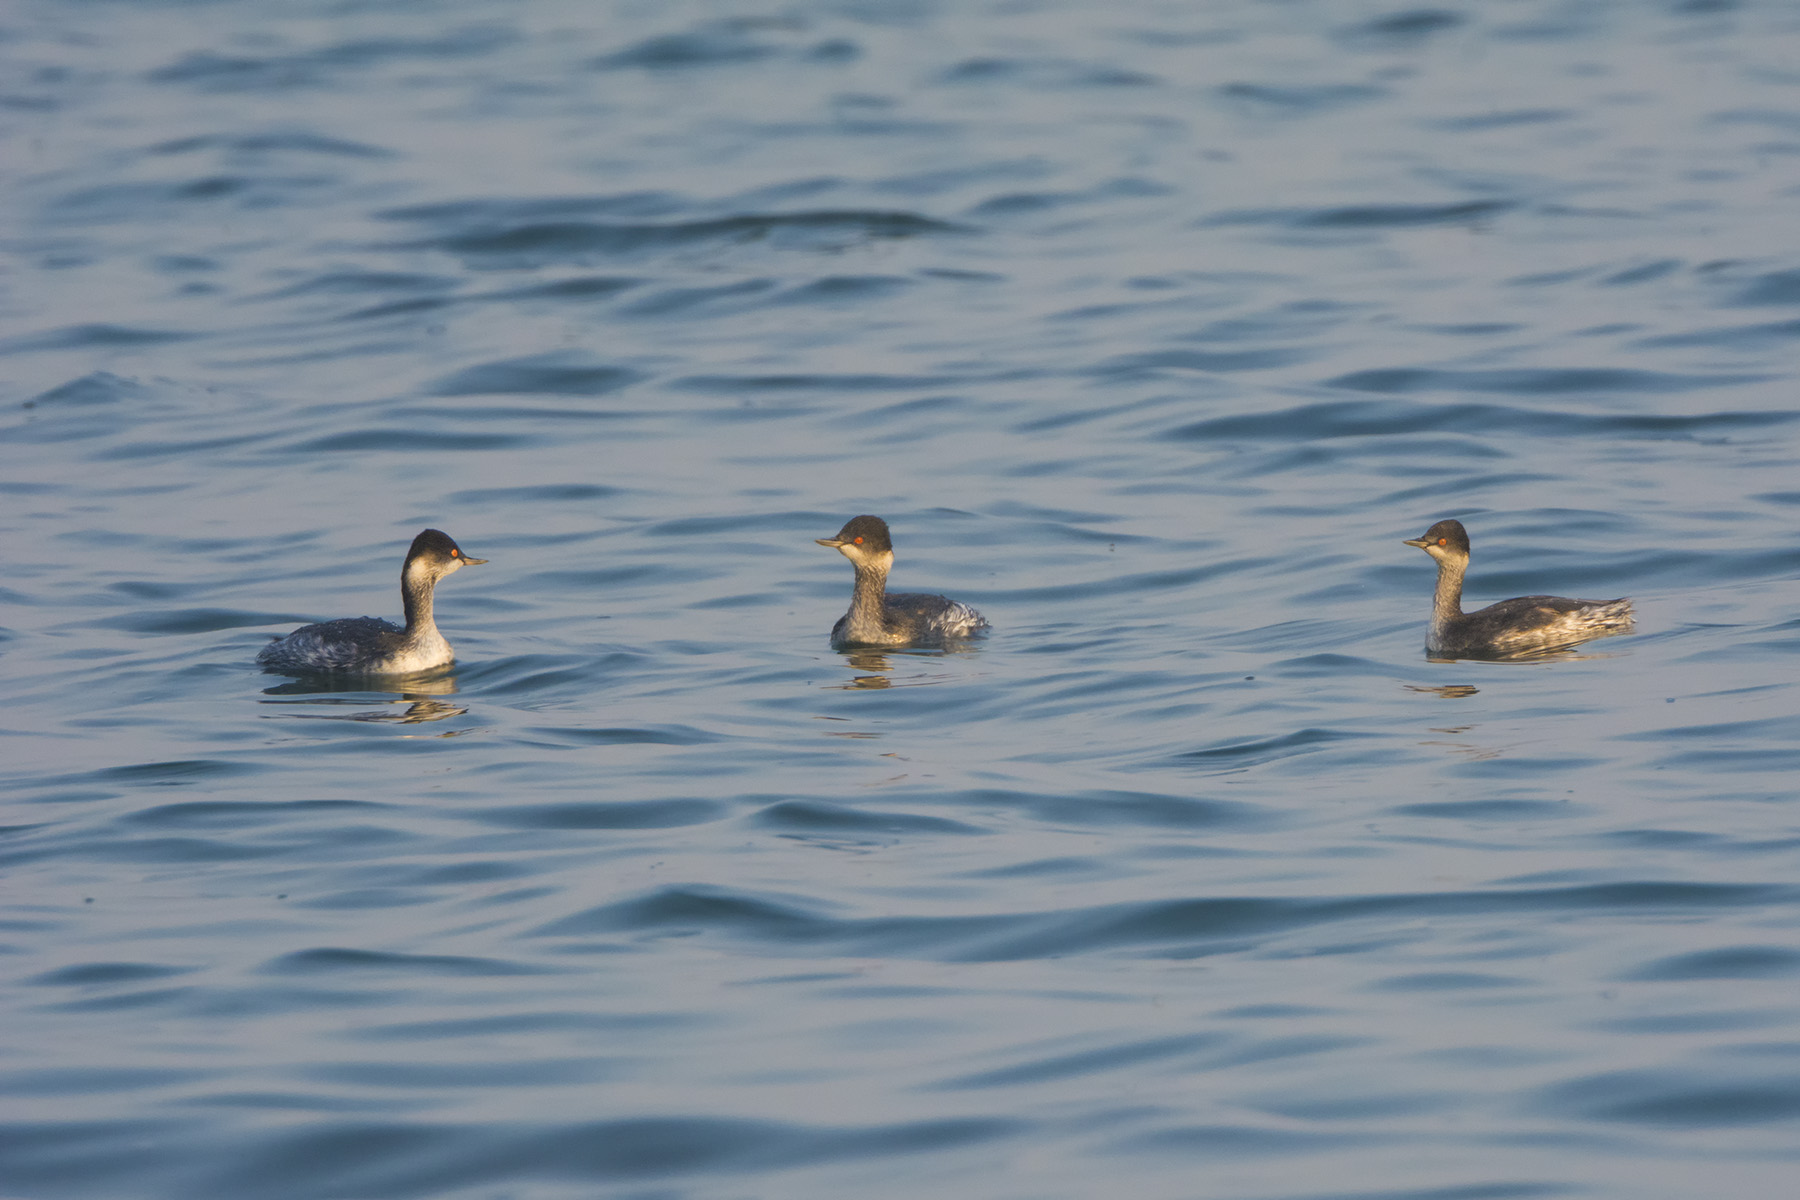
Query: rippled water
{"type": "Point", "coordinates": [1152, 328]}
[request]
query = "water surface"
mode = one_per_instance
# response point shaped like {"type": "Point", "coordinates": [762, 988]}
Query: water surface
{"type": "Point", "coordinates": [1151, 329]}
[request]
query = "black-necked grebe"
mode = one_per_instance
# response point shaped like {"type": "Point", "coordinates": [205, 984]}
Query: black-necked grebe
{"type": "Point", "coordinates": [1512, 627]}
{"type": "Point", "coordinates": [369, 645]}
{"type": "Point", "coordinates": [877, 618]}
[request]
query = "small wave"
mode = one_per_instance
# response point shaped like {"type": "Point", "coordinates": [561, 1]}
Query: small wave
{"type": "Point", "coordinates": [1295, 100]}
{"type": "Point", "coordinates": [418, 1159]}
{"type": "Point", "coordinates": [96, 387]}
{"type": "Point", "coordinates": [1388, 418]}
{"type": "Point", "coordinates": [1175, 928]}
{"type": "Point", "coordinates": [1699, 1097]}
{"type": "Point", "coordinates": [90, 337]}
{"type": "Point", "coordinates": [1368, 216]}
{"type": "Point", "coordinates": [1408, 28]}
{"type": "Point", "coordinates": [562, 374]}
{"type": "Point", "coordinates": [408, 439]}
{"type": "Point", "coordinates": [819, 817]}
{"type": "Point", "coordinates": [554, 242]}
{"type": "Point", "coordinates": [610, 814]}
{"type": "Point", "coordinates": [188, 620]}
{"type": "Point", "coordinates": [333, 960]}
{"type": "Point", "coordinates": [1732, 962]}
{"type": "Point", "coordinates": [1237, 755]}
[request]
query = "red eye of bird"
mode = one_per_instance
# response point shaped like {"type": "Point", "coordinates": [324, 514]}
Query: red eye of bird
{"type": "Point", "coordinates": [859, 539]}
{"type": "Point", "coordinates": [1443, 541]}
{"type": "Point", "coordinates": [454, 553]}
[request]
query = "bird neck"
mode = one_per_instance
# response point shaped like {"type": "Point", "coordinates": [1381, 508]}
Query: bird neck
{"type": "Point", "coordinates": [1446, 603]}
{"type": "Point", "coordinates": [416, 585]}
{"type": "Point", "coordinates": [868, 601]}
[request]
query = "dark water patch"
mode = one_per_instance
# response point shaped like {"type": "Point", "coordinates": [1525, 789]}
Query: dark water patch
{"type": "Point", "coordinates": [1390, 418]}
{"type": "Point", "coordinates": [170, 773]}
{"type": "Point", "coordinates": [1558, 382]}
{"type": "Point", "coordinates": [604, 814]}
{"type": "Point", "coordinates": [528, 496]}
{"type": "Point", "coordinates": [1502, 119]}
{"type": "Point", "coordinates": [557, 374]}
{"type": "Point", "coordinates": [405, 1161]}
{"type": "Point", "coordinates": [839, 289]}
{"type": "Point", "coordinates": [1445, 981]}
{"type": "Point", "coordinates": [1236, 1141]}
{"type": "Point", "coordinates": [360, 283]}
{"type": "Point", "coordinates": [242, 814]}
{"type": "Point", "coordinates": [76, 1081]}
{"type": "Point", "coordinates": [667, 302]}
{"type": "Point", "coordinates": [188, 620]}
{"type": "Point", "coordinates": [1733, 962]}
{"type": "Point", "coordinates": [1155, 363]}
{"type": "Point", "coordinates": [369, 899]}
{"type": "Point", "coordinates": [541, 676]}
{"type": "Point", "coordinates": [519, 1073]}
{"type": "Point", "coordinates": [97, 387]}
{"type": "Point", "coordinates": [1178, 928]}
{"type": "Point", "coordinates": [718, 43]}
{"type": "Point", "coordinates": [505, 210]}
{"type": "Point", "coordinates": [553, 242]}
{"type": "Point", "coordinates": [94, 336]}
{"type": "Point", "coordinates": [1498, 811]}
{"type": "Point", "coordinates": [803, 817]}
{"type": "Point", "coordinates": [1237, 756]}
{"type": "Point", "coordinates": [106, 974]}
{"type": "Point", "coordinates": [143, 449]}
{"type": "Point", "coordinates": [1642, 273]}
{"type": "Point", "coordinates": [171, 1000]}
{"type": "Point", "coordinates": [1295, 100]}
{"type": "Point", "coordinates": [1083, 1063]}
{"type": "Point", "coordinates": [1400, 30]}
{"type": "Point", "coordinates": [1050, 73]}
{"type": "Point", "coordinates": [329, 961]}
{"type": "Point", "coordinates": [587, 287]}
{"type": "Point", "coordinates": [134, 204]}
{"type": "Point", "coordinates": [274, 142]}
{"type": "Point", "coordinates": [1047, 868]}
{"type": "Point", "coordinates": [1690, 1099]}
{"type": "Point", "coordinates": [242, 71]}
{"type": "Point", "coordinates": [1099, 808]}
{"type": "Point", "coordinates": [604, 1024]}
{"type": "Point", "coordinates": [1368, 216]}
{"type": "Point", "coordinates": [1770, 288]}
{"type": "Point", "coordinates": [1741, 337]}
{"type": "Point", "coordinates": [1692, 1022]}
{"type": "Point", "coordinates": [1503, 1190]}
{"type": "Point", "coordinates": [754, 384]}
{"type": "Point", "coordinates": [407, 439]}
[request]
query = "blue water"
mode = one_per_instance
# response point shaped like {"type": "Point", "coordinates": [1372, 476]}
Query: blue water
{"type": "Point", "coordinates": [1151, 328]}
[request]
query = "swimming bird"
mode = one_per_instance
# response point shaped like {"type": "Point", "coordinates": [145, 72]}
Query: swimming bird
{"type": "Point", "coordinates": [1525, 625]}
{"type": "Point", "coordinates": [877, 618]}
{"type": "Point", "coordinates": [369, 645]}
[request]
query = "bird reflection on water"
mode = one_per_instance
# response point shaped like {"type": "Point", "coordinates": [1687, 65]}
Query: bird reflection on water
{"type": "Point", "coordinates": [878, 668]}
{"type": "Point", "coordinates": [420, 698]}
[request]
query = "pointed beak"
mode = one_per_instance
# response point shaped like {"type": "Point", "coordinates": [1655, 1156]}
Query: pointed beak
{"type": "Point", "coordinates": [1421, 543]}
{"type": "Point", "coordinates": [834, 543]}
{"type": "Point", "coordinates": [472, 562]}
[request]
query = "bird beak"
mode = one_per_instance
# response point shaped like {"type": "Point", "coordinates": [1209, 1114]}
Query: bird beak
{"type": "Point", "coordinates": [472, 562]}
{"type": "Point", "coordinates": [1421, 543]}
{"type": "Point", "coordinates": [834, 543]}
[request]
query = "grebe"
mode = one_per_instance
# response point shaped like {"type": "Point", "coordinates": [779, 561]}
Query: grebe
{"type": "Point", "coordinates": [370, 646]}
{"type": "Point", "coordinates": [877, 618]}
{"type": "Point", "coordinates": [1511, 627]}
